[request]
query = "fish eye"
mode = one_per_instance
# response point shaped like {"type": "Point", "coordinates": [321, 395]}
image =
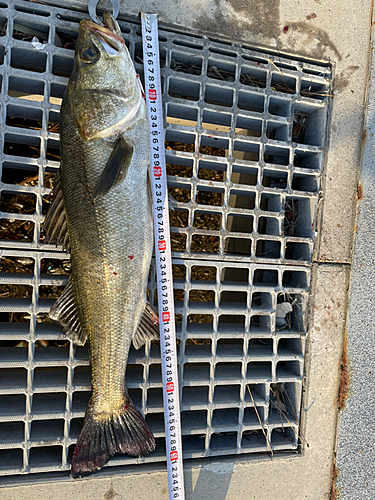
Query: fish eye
{"type": "Point", "coordinates": [89, 55]}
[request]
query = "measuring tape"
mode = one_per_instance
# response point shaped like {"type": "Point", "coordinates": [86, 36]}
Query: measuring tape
{"type": "Point", "coordinates": [158, 176]}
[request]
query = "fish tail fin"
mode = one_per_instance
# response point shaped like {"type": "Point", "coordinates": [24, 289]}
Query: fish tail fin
{"type": "Point", "coordinates": [123, 431]}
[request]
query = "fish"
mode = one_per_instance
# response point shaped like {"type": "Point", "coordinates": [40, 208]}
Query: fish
{"type": "Point", "coordinates": [101, 212]}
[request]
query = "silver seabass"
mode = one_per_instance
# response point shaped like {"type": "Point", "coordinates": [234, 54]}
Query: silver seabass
{"type": "Point", "coordinates": [102, 213]}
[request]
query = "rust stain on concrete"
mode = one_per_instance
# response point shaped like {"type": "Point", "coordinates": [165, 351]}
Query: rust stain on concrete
{"type": "Point", "coordinates": [335, 474]}
{"type": "Point", "coordinates": [359, 194]}
{"type": "Point", "coordinates": [344, 378]}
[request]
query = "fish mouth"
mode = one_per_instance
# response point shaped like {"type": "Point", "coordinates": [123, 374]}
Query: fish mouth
{"type": "Point", "coordinates": [105, 34]}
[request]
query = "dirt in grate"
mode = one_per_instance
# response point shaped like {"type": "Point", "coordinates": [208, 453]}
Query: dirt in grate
{"type": "Point", "coordinates": [23, 230]}
{"type": "Point", "coordinates": [9, 290]}
{"type": "Point", "coordinates": [16, 264]}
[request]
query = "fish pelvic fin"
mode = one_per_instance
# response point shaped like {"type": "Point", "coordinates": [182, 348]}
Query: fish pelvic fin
{"type": "Point", "coordinates": [55, 223]}
{"type": "Point", "coordinates": [64, 311]}
{"type": "Point", "coordinates": [115, 170]}
{"type": "Point", "coordinates": [148, 328]}
{"type": "Point", "coordinates": [122, 431]}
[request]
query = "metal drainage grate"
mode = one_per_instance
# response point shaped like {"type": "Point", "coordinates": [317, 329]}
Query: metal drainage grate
{"type": "Point", "coordinates": [245, 133]}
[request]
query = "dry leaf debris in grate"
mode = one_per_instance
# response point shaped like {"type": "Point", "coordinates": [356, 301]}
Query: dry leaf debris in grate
{"type": "Point", "coordinates": [27, 34]}
{"type": "Point", "coordinates": [55, 266]}
{"type": "Point", "coordinates": [211, 175]}
{"type": "Point", "coordinates": [16, 230]}
{"type": "Point", "coordinates": [12, 121]}
{"type": "Point", "coordinates": [191, 69]}
{"type": "Point", "coordinates": [21, 230]}
{"type": "Point", "coordinates": [178, 170]}
{"type": "Point", "coordinates": [16, 265]}
{"type": "Point", "coordinates": [9, 290]}
{"type": "Point", "coordinates": [290, 217]}
{"type": "Point", "coordinates": [179, 146]}
{"type": "Point", "coordinates": [17, 203]}
{"type": "Point", "coordinates": [280, 402]}
{"type": "Point", "coordinates": [286, 306]}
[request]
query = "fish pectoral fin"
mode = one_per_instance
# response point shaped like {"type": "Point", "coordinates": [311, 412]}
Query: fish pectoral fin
{"type": "Point", "coordinates": [55, 223]}
{"type": "Point", "coordinates": [65, 312]}
{"type": "Point", "coordinates": [115, 170]}
{"type": "Point", "coordinates": [148, 328]}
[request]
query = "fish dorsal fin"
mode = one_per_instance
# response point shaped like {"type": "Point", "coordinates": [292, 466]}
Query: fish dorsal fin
{"type": "Point", "coordinates": [65, 312]}
{"type": "Point", "coordinates": [115, 170]}
{"type": "Point", "coordinates": [148, 328]}
{"type": "Point", "coordinates": [55, 223]}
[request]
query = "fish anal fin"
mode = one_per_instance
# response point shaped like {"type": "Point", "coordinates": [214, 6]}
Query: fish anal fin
{"type": "Point", "coordinates": [123, 431]}
{"type": "Point", "coordinates": [148, 328]}
{"type": "Point", "coordinates": [64, 312]}
{"type": "Point", "coordinates": [55, 223]}
{"type": "Point", "coordinates": [115, 170]}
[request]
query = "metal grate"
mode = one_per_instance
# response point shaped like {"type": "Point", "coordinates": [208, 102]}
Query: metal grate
{"type": "Point", "coordinates": [245, 134]}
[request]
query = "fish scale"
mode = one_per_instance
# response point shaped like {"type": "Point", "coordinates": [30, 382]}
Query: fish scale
{"type": "Point", "coordinates": [120, 234]}
{"type": "Point", "coordinates": [105, 196]}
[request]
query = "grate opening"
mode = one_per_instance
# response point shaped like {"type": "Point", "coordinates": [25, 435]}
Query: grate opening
{"type": "Point", "coordinates": [11, 460]}
{"type": "Point", "coordinates": [185, 113]}
{"type": "Point", "coordinates": [276, 155]}
{"type": "Point", "coordinates": [11, 433]}
{"type": "Point", "coordinates": [29, 60]}
{"type": "Point", "coordinates": [260, 324]}
{"type": "Point", "coordinates": [17, 203]}
{"type": "Point", "coordinates": [253, 77]}
{"type": "Point", "coordinates": [213, 120]}
{"type": "Point", "coordinates": [279, 106]}
{"type": "Point", "coordinates": [51, 456]}
{"type": "Point", "coordinates": [24, 28]}
{"type": "Point", "coordinates": [277, 130]}
{"type": "Point", "coordinates": [282, 435]}
{"type": "Point", "coordinates": [221, 70]}
{"type": "Point", "coordinates": [305, 159]}
{"type": "Point", "coordinates": [270, 202]}
{"type": "Point", "coordinates": [286, 370]}
{"type": "Point", "coordinates": [222, 96]}
{"type": "Point", "coordinates": [261, 300]}
{"type": "Point", "coordinates": [18, 116]}
{"type": "Point", "coordinates": [245, 175]}
{"type": "Point", "coordinates": [15, 379]}
{"type": "Point", "coordinates": [244, 151]}
{"type": "Point", "coordinates": [27, 146]}
{"type": "Point", "coordinates": [230, 348]}
{"type": "Point", "coordinates": [18, 173]}
{"type": "Point", "coordinates": [183, 89]}
{"type": "Point", "coordinates": [254, 439]}
{"type": "Point", "coordinates": [313, 90]}
{"type": "Point", "coordinates": [269, 225]}
{"type": "Point", "coordinates": [250, 101]}
{"type": "Point", "coordinates": [194, 420]}
{"type": "Point", "coordinates": [283, 83]}
{"type": "Point", "coordinates": [26, 89]}
{"type": "Point", "coordinates": [185, 62]}
{"type": "Point", "coordinates": [210, 170]}
{"type": "Point", "coordinates": [251, 418]}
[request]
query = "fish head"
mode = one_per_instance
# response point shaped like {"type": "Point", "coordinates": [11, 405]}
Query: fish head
{"type": "Point", "coordinates": [104, 93]}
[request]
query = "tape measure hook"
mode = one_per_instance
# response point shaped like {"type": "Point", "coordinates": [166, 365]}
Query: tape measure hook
{"type": "Point", "coordinates": [92, 10]}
